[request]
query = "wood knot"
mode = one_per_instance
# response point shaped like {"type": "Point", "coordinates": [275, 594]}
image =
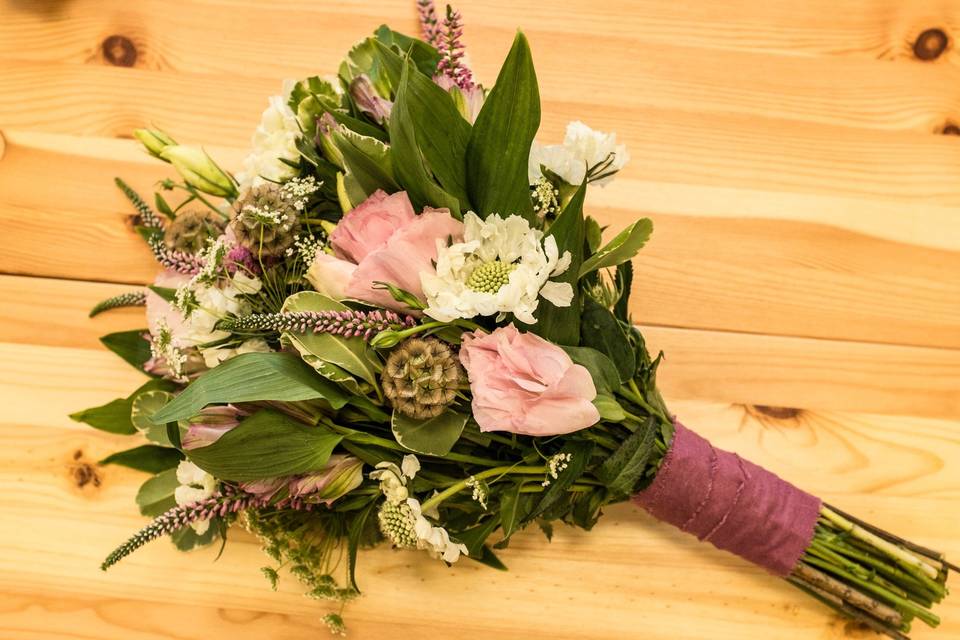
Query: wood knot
{"type": "Point", "coordinates": [119, 51]}
{"type": "Point", "coordinates": [950, 129]}
{"type": "Point", "coordinates": [930, 44]}
{"type": "Point", "coordinates": [780, 413]}
{"type": "Point", "coordinates": [83, 473]}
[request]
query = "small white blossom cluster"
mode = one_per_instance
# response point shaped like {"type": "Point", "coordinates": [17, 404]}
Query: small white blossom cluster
{"type": "Point", "coordinates": [479, 491]}
{"type": "Point", "coordinates": [162, 348]}
{"type": "Point", "coordinates": [585, 153]}
{"type": "Point", "coordinates": [306, 248]}
{"type": "Point", "coordinates": [401, 517]}
{"type": "Point", "coordinates": [298, 190]}
{"type": "Point", "coordinates": [556, 464]}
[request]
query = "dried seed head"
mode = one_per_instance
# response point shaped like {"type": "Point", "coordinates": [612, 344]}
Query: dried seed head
{"type": "Point", "coordinates": [266, 221]}
{"type": "Point", "coordinates": [191, 229]}
{"type": "Point", "coordinates": [421, 377]}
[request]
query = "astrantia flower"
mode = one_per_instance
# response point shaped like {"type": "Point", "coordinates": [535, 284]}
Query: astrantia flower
{"type": "Point", "coordinates": [502, 266]}
{"type": "Point", "coordinates": [583, 150]}
{"type": "Point", "coordinates": [274, 140]}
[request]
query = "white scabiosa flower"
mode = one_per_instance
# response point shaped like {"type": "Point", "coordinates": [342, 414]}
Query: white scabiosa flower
{"type": "Point", "coordinates": [274, 140]}
{"type": "Point", "coordinates": [401, 517]}
{"type": "Point", "coordinates": [584, 152]}
{"type": "Point", "coordinates": [502, 266]}
{"type": "Point", "coordinates": [195, 485]}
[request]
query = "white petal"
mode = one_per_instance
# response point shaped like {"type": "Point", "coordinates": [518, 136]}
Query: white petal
{"type": "Point", "coordinates": [562, 264]}
{"type": "Point", "coordinates": [559, 293]}
{"type": "Point", "coordinates": [410, 465]}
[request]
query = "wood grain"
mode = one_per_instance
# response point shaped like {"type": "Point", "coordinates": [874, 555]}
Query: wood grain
{"type": "Point", "coordinates": [803, 280]}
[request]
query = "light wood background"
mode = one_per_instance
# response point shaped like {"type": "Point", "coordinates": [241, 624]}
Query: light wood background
{"type": "Point", "coordinates": [801, 163]}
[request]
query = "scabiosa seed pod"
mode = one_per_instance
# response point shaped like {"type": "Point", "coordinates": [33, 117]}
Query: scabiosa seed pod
{"type": "Point", "coordinates": [421, 377]}
{"type": "Point", "coordinates": [265, 220]}
{"type": "Point", "coordinates": [191, 229]}
{"type": "Point", "coordinates": [397, 523]}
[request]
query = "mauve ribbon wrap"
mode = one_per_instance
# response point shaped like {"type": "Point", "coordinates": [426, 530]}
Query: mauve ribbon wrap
{"type": "Point", "coordinates": [732, 503]}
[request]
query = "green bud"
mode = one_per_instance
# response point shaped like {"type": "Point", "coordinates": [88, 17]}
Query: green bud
{"type": "Point", "coordinates": [386, 339]}
{"type": "Point", "coordinates": [153, 140]}
{"type": "Point", "coordinates": [199, 170]}
{"type": "Point", "coordinates": [400, 295]}
{"type": "Point", "coordinates": [326, 125]}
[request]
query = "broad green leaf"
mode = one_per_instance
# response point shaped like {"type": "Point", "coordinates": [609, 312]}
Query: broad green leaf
{"type": "Point", "coordinates": [474, 537]}
{"type": "Point", "coordinates": [352, 355]}
{"type": "Point", "coordinates": [622, 248]}
{"type": "Point", "coordinates": [143, 407]}
{"type": "Point", "coordinates": [499, 149]}
{"type": "Point", "coordinates": [266, 445]}
{"type": "Point", "coordinates": [149, 457]}
{"type": "Point", "coordinates": [428, 139]}
{"type": "Point", "coordinates": [250, 377]}
{"type": "Point", "coordinates": [326, 369]}
{"type": "Point", "coordinates": [368, 161]}
{"type": "Point", "coordinates": [434, 436]}
{"type": "Point", "coordinates": [561, 325]}
{"type": "Point", "coordinates": [423, 55]}
{"type": "Point", "coordinates": [156, 494]}
{"type": "Point", "coordinates": [486, 556]}
{"type": "Point", "coordinates": [114, 417]}
{"type": "Point", "coordinates": [601, 368]}
{"type": "Point", "coordinates": [359, 126]}
{"type": "Point", "coordinates": [603, 332]}
{"type": "Point", "coordinates": [624, 468]}
{"type": "Point", "coordinates": [129, 345]}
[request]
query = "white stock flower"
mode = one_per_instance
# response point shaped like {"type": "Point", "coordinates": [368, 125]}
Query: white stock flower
{"type": "Point", "coordinates": [393, 479]}
{"type": "Point", "coordinates": [275, 138]}
{"type": "Point", "coordinates": [582, 149]}
{"type": "Point", "coordinates": [195, 485]}
{"type": "Point", "coordinates": [502, 266]}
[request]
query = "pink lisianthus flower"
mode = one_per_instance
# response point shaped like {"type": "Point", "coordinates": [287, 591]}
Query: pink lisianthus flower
{"type": "Point", "coordinates": [382, 240]}
{"type": "Point", "coordinates": [524, 384]}
{"type": "Point", "coordinates": [210, 425]}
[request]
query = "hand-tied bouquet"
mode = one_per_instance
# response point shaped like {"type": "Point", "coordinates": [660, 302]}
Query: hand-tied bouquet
{"type": "Point", "coordinates": [398, 323]}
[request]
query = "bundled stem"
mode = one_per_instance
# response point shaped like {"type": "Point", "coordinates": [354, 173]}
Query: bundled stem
{"type": "Point", "coordinates": [870, 575]}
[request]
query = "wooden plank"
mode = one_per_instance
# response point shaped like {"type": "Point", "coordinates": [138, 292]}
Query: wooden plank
{"type": "Point", "coordinates": [789, 277]}
{"type": "Point", "coordinates": [869, 29]}
{"type": "Point", "coordinates": [629, 572]}
{"type": "Point", "coordinates": [848, 91]}
{"type": "Point", "coordinates": [26, 615]}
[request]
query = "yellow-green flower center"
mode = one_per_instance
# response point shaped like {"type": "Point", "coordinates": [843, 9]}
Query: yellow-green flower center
{"type": "Point", "coordinates": [490, 276]}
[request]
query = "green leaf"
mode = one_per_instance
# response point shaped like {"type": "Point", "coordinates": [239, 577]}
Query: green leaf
{"type": "Point", "coordinates": [601, 368]}
{"type": "Point", "coordinates": [609, 408]}
{"type": "Point", "coordinates": [561, 325]}
{"type": "Point", "coordinates": [474, 537]}
{"type": "Point", "coordinates": [423, 55]}
{"type": "Point", "coordinates": [600, 330]}
{"type": "Point", "coordinates": [434, 437]}
{"type": "Point", "coordinates": [149, 457]}
{"type": "Point", "coordinates": [368, 161]}
{"type": "Point", "coordinates": [352, 355]}
{"type": "Point", "coordinates": [624, 280]}
{"type": "Point", "coordinates": [354, 534]}
{"type": "Point", "coordinates": [510, 512]}
{"type": "Point", "coordinates": [114, 417]}
{"type": "Point", "coordinates": [580, 452]}
{"type": "Point", "coordinates": [250, 377]}
{"type": "Point", "coordinates": [624, 468]}
{"type": "Point", "coordinates": [266, 445]}
{"type": "Point", "coordinates": [143, 407]}
{"type": "Point", "coordinates": [622, 248]}
{"type": "Point", "coordinates": [429, 138]}
{"type": "Point", "coordinates": [129, 345]}
{"type": "Point", "coordinates": [186, 539]}
{"type": "Point", "coordinates": [167, 293]}
{"type": "Point", "coordinates": [162, 206]}
{"type": "Point", "coordinates": [156, 494]}
{"type": "Point", "coordinates": [499, 148]}
{"type": "Point", "coordinates": [359, 126]}
{"type": "Point", "coordinates": [486, 556]}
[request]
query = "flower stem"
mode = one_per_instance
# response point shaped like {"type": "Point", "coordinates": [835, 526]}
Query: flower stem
{"type": "Point", "coordinates": [462, 484]}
